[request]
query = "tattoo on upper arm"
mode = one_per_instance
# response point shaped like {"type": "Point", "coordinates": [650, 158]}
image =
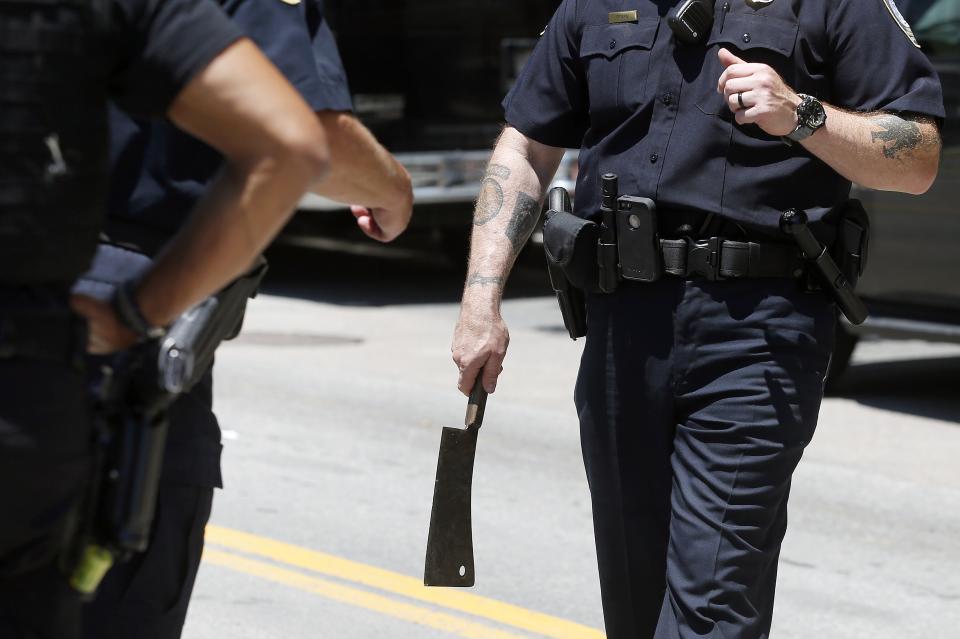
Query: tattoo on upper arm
{"type": "Point", "coordinates": [898, 136]}
{"type": "Point", "coordinates": [490, 202]}
{"type": "Point", "coordinates": [525, 215]}
{"type": "Point", "coordinates": [477, 279]}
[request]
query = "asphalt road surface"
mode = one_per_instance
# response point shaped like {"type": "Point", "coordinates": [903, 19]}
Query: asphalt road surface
{"type": "Point", "coordinates": [332, 403]}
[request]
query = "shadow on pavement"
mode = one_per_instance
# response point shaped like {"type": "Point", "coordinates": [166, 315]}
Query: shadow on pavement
{"type": "Point", "coordinates": [922, 387]}
{"type": "Point", "coordinates": [367, 275]}
{"type": "Point", "coordinates": [373, 275]}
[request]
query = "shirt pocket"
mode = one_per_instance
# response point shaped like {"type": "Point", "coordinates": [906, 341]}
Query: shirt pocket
{"type": "Point", "coordinates": [616, 60]}
{"type": "Point", "coordinates": [753, 37]}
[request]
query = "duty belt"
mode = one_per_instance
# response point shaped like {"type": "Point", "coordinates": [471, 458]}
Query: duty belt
{"type": "Point", "coordinates": [716, 258]}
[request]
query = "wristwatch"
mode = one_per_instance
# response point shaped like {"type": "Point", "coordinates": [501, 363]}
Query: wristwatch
{"type": "Point", "coordinates": [129, 313]}
{"type": "Point", "coordinates": [810, 117]}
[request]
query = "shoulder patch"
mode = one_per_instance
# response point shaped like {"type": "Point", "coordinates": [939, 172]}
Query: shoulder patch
{"type": "Point", "coordinates": [756, 4]}
{"type": "Point", "coordinates": [901, 21]}
{"type": "Point", "coordinates": [292, 2]}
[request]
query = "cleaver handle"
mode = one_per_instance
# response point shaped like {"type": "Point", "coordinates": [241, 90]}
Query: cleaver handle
{"type": "Point", "coordinates": [476, 405]}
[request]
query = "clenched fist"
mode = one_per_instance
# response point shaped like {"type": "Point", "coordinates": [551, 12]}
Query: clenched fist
{"type": "Point", "coordinates": [757, 95]}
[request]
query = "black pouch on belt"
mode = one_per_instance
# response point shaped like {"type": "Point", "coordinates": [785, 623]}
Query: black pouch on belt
{"type": "Point", "coordinates": [851, 248]}
{"type": "Point", "coordinates": [570, 243]}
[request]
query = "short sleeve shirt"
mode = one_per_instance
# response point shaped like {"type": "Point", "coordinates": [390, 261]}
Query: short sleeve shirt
{"type": "Point", "coordinates": [155, 47]}
{"type": "Point", "coordinates": [643, 106]}
{"type": "Point", "coordinates": [159, 172]}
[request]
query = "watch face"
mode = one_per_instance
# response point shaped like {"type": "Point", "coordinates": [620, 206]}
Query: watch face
{"type": "Point", "coordinates": [811, 113]}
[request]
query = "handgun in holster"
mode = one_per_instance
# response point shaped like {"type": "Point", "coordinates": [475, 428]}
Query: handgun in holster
{"type": "Point", "coordinates": [585, 256]}
{"type": "Point", "coordinates": [132, 394]}
{"type": "Point", "coordinates": [573, 306]}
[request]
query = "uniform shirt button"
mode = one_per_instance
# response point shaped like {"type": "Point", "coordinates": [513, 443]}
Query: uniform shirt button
{"type": "Point", "coordinates": [746, 37]}
{"type": "Point", "coordinates": [653, 158]}
{"type": "Point", "coordinates": [667, 99]}
{"type": "Point", "coordinates": [613, 44]}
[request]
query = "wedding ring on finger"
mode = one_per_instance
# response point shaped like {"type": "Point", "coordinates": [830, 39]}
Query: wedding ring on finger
{"type": "Point", "coordinates": [740, 100]}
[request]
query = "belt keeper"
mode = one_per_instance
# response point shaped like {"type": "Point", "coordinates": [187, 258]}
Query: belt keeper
{"type": "Point", "coordinates": [703, 258]}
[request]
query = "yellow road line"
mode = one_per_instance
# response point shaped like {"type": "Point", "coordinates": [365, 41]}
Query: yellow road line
{"type": "Point", "coordinates": [355, 597]}
{"type": "Point", "coordinates": [453, 599]}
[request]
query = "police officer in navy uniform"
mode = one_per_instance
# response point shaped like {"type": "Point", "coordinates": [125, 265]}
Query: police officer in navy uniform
{"type": "Point", "coordinates": [158, 175]}
{"type": "Point", "coordinates": [698, 392]}
{"type": "Point", "coordinates": [61, 61]}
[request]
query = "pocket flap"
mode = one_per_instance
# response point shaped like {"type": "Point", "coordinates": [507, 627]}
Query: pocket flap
{"type": "Point", "coordinates": [757, 31]}
{"type": "Point", "coordinates": [562, 233]}
{"type": "Point", "coordinates": [610, 40]}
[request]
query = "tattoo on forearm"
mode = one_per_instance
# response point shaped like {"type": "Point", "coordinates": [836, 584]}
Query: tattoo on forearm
{"type": "Point", "coordinates": [898, 135]}
{"type": "Point", "coordinates": [525, 215]}
{"type": "Point", "coordinates": [490, 202]}
{"type": "Point", "coordinates": [498, 170]}
{"type": "Point", "coordinates": [476, 279]}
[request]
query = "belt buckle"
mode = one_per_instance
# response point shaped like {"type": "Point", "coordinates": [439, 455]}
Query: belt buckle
{"type": "Point", "coordinates": [703, 258]}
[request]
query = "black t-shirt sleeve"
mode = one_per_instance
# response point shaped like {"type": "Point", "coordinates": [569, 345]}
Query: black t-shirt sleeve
{"type": "Point", "coordinates": [158, 46]}
{"type": "Point", "coordinates": [549, 101]}
{"type": "Point", "coordinates": [298, 40]}
{"type": "Point", "coordinates": [877, 64]}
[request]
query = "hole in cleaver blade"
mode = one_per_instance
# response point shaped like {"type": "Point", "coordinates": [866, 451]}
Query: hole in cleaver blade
{"type": "Point", "coordinates": [450, 542]}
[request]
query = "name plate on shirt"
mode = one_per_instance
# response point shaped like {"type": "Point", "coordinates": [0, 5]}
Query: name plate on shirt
{"type": "Point", "coordinates": [619, 17]}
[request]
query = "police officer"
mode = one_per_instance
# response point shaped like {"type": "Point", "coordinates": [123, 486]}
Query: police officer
{"type": "Point", "coordinates": [61, 61]}
{"type": "Point", "coordinates": [698, 392]}
{"type": "Point", "coordinates": [158, 174]}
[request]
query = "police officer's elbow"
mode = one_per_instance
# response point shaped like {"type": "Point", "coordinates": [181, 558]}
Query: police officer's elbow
{"type": "Point", "coordinates": [300, 148]}
{"type": "Point", "coordinates": [924, 175]}
{"type": "Point", "coordinates": [310, 150]}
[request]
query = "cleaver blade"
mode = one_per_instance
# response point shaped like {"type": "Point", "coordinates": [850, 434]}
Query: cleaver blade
{"type": "Point", "coordinates": [449, 559]}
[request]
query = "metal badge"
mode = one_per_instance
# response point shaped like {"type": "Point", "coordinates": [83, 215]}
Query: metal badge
{"type": "Point", "coordinates": [619, 17]}
{"type": "Point", "coordinates": [901, 21]}
{"type": "Point", "coordinates": [756, 4]}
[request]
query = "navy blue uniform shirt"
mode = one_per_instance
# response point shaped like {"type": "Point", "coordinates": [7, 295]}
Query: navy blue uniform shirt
{"type": "Point", "coordinates": [643, 106]}
{"type": "Point", "coordinates": [159, 173]}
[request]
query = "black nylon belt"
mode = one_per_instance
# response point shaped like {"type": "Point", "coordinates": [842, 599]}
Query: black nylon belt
{"type": "Point", "coordinates": [716, 258]}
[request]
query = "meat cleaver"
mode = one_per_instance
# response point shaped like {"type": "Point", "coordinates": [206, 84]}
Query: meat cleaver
{"type": "Point", "coordinates": [450, 542]}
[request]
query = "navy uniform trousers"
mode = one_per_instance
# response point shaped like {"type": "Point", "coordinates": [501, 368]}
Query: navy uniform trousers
{"type": "Point", "coordinates": [45, 461]}
{"type": "Point", "coordinates": [696, 400]}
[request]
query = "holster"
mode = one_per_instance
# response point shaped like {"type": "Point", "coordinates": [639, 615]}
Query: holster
{"type": "Point", "coordinates": [570, 245]}
{"type": "Point", "coordinates": [132, 391]}
{"type": "Point", "coordinates": [851, 249]}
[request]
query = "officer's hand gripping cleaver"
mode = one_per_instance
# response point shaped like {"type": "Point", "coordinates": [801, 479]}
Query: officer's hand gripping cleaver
{"type": "Point", "coordinates": [450, 542]}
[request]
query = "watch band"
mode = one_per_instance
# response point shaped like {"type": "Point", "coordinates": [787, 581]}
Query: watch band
{"type": "Point", "coordinates": [802, 132]}
{"type": "Point", "coordinates": [129, 313]}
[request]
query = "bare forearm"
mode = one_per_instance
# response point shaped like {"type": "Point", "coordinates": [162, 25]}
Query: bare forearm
{"type": "Point", "coordinates": [878, 150]}
{"type": "Point", "coordinates": [882, 151]}
{"type": "Point", "coordinates": [240, 213]}
{"type": "Point", "coordinates": [362, 171]}
{"type": "Point", "coordinates": [275, 150]}
{"type": "Point", "coordinates": [511, 196]}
